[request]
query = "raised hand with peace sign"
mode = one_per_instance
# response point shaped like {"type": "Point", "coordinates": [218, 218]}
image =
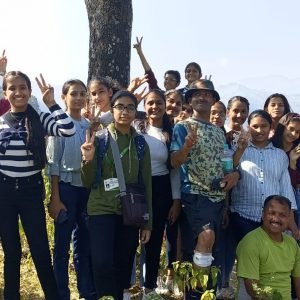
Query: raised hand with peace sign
{"type": "Point", "coordinates": [88, 147]}
{"type": "Point", "coordinates": [138, 45]}
{"type": "Point", "coordinates": [94, 119]}
{"type": "Point", "coordinates": [47, 91]}
{"type": "Point", "coordinates": [191, 138]}
{"type": "Point", "coordinates": [243, 139]}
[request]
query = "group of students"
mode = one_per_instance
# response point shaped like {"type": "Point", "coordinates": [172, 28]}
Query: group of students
{"type": "Point", "coordinates": [178, 167]}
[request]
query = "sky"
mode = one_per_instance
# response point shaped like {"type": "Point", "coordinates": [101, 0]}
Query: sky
{"type": "Point", "coordinates": [232, 40]}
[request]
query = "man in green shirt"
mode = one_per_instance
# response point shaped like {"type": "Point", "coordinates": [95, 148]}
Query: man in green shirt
{"type": "Point", "coordinates": [267, 257]}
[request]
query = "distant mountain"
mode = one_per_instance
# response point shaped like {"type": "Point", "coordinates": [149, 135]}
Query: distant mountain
{"type": "Point", "coordinates": [257, 92]}
{"type": "Point", "coordinates": [273, 84]}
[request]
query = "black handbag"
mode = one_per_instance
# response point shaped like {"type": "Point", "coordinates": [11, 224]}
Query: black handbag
{"type": "Point", "coordinates": [133, 201]}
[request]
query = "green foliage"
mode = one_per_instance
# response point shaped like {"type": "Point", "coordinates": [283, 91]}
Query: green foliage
{"type": "Point", "coordinates": [188, 277]}
{"type": "Point", "coordinates": [266, 293]}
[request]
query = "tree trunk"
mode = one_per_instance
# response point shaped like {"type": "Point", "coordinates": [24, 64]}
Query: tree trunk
{"type": "Point", "coordinates": [110, 24]}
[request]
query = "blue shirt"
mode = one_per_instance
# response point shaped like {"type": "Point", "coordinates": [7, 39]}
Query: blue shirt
{"type": "Point", "coordinates": [64, 155]}
{"type": "Point", "coordinates": [264, 172]}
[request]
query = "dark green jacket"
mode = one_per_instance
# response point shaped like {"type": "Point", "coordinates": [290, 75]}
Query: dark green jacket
{"type": "Point", "coordinates": [107, 202]}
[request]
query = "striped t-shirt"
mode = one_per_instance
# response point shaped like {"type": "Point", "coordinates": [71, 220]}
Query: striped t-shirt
{"type": "Point", "coordinates": [16, 160]}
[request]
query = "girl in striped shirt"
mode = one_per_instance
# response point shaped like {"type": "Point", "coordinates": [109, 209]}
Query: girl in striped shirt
{"type": "Point", "coordinates": [22, 158]}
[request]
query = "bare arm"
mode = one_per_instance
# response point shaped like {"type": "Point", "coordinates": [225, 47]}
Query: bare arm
{"type": "Point", "coordinates": [179, 157]}
{"type": "Point", "coordinates": [249, 285]}
{"type": "Point", "coordinates": [237, 156]}
{"type": "Point", "coordinates": [296, 281]}
{"type": "Point", "coordinates": [55, 203]}
{"type": "Point", "coordinates": [138, 47]}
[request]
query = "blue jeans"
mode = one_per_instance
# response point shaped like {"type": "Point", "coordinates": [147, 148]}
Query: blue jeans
{"type": "Point", "coordinates": [227, 257]}
{"type": "Point", "coordinates": [75, 228]}
{"type": "Point", "coordinates": [22, 198]}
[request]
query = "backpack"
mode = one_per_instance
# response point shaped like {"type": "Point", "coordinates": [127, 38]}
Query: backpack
{"type": "Point", "coordinates": [102, 144]}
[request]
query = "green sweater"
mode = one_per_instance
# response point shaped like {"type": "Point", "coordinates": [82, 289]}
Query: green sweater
{"type": "Point", "coordinates": [103, 202]}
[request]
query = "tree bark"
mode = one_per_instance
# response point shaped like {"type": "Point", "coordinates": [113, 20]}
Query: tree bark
{"type": "Point", "coordinates": [110, 23]}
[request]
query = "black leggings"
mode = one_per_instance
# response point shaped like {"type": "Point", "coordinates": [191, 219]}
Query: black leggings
{"type": "Point", "coordinates": [113, 247]}
{"type": "Point", "coordinates": [23, 198]}
{"type": "Point", "coordinates": [161, 204]}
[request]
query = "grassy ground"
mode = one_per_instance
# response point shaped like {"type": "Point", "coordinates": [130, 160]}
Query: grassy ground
{"type": "Point", "coordinates": [30, 286]}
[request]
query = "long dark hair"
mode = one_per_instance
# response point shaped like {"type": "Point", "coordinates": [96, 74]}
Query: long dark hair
{"type": "Point", "coordinates": [260, 113]}
{"type": "Point", "coordinates": [167, 125]}
{"type": "Point", "coordinates": [277, 139]}
{"type": "Point", "coordinates": [285, 101]}
{"type": "Point", "coordinates": [35, 131]}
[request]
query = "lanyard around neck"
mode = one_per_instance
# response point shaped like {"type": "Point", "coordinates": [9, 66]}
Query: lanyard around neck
{"type": "Point", "coordinates": [125, 150]}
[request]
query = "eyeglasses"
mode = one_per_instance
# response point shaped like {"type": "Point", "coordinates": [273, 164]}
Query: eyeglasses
{"type": "Point", "coordinates": [130, 108]}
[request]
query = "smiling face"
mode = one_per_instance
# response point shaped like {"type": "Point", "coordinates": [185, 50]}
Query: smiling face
{"type": "Point", "coordinates": [291, 132]}
{"type": "Point", "coordinates": [237, 115]}
{"type": "Point", "coordinates": [75, 97]}
{"type": "Point", "coordinates": [173, 104]}
{"type": "Point", "coordinates": [276, 217]}
{"type": "Point", "coordinates": [17, 93]}
{"type": "Point", "coordinates": [170, 82]}
{"type": "Point", "coordinates": [276, 108]}
{"type": "Point", "coordinates": [218, 114]}
{"type": "Point", "coordinates": [259, 128]}
{"type": "Point", "coordinates": [100, 95]}
{"type": "Point", "coordinates": [124, 111]}
{"type": "Point", "coordinates": [192, 73]}
{"type": "Point", "coordinates": [202, 101]}
{"type": "Point", "coordinates": [155, 107]}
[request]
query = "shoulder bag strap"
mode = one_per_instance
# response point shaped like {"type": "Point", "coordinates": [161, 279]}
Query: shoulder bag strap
{"type": "Point", "coordinates": [118, 165]}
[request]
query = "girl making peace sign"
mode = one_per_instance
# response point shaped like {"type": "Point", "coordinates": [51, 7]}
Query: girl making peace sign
{"type": "Point", "coordinates": [22, 157]}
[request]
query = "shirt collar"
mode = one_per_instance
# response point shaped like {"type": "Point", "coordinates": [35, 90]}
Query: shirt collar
{"type": "Point", "coordinates": [269, 146]}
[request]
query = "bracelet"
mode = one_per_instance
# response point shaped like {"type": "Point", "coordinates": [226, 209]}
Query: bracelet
{"type": "Point", "coordinates": [2, 73]}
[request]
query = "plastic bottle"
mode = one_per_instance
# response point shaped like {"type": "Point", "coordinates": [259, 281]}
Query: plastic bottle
{"type": "Point", "coordinates": [227, 160]}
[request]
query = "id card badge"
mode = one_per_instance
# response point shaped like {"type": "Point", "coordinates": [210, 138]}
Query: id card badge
{"type": "Point", "coordinates": [111, 184]}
